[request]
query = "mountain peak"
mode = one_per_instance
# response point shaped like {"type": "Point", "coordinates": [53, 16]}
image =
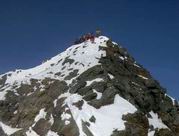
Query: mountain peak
{"type": "Point", "coordinates": [94, 88]}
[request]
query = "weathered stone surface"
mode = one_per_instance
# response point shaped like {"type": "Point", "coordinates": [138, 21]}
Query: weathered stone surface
{"type": "Point", "coordinates": [92, 119]}
{"type": "Point", "coordinates": [58, 74]}
{"type": "Point", "coordinates": [85, 91]}
{"type": "Point", "coordinates": [164, 132]}
{"type": "Point", "coordinates": [109, 95]}
{"type": "Point", "coordinates": [68, 60]}
{"type": "Point", "coordinates": [90, 96]}
{"type": "Point", "coordinates": [79, 104]}
{"type": "Point", "coordinates": [42, 127]}
{"type": "Point", "coordinates": [77, 86]}
{"type": "Point", "coordinates": [71, 75]}
{"type": "Point", "coordinates": [3, 80]}
{"type": "Point", "coordinates": [137, 118]}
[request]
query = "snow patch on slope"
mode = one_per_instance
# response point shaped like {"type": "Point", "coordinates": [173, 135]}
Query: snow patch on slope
{"type": "Point", "coordinates": [156, 122]}
{"type": "Point", "coordinates": [151, 133]}
{"type": "Point", "coordinates": [110, 76]}
{"type": "Point", "coordinates": [99, 95]}
{"type": "Point", "coordinates": [173, 100]}
{"type": "Point", "coordinates": [108, 118]}
{"type": "Point", "coordinates": [143, 77]}
{"type": "Point", "coordinates": [66, 117]}
{"type": "Point", "coordinates": [42, 114]}
{"type": "Point", "coordinates": [51, 133]}
{"type": "Point", "coordinates": [88, 83]}
{"type": "Point", "coordinates": [8, 130]}
{"type": "Point", "coordinates": [51, 121]}
{"type": "Point", "coordinates": [2, 95]}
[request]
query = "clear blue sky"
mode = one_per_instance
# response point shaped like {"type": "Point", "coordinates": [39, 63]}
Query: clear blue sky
{"type": "Point", "coordinates": [34, 30]}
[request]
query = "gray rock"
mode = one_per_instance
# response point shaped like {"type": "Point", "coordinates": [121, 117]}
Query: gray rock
{"type": "Point", "coordinates": [79, 104]}
{"type": "Point", "coordinates": [72, 75]}
{"type": "Point", "coordinates": [3, 80]}
{"type": "Point", "coordinates": [77, 86]}
{"type": "Point", "coordinates": [164, 132]}
{"type": "Point", "coordinates": [68, 60]}
{"type": "Point", "coordinates": [90, 96]}
{"type": "Point", "coordinates": [42, 127]}
{"type": "Point", "coordinates": [92, 119]}
{"type": "Point", "coordinates": [85, 129]}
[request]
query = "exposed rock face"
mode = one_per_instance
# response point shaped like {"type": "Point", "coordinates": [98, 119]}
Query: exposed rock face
{"type": "Point", "coordinates": [92, 89]}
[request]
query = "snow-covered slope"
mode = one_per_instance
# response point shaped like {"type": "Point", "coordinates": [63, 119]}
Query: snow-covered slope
{"type": "Point", "coordinates": [78, 57]}
{"type": "Point", "coordinates": [85, 55]}
{"type": "Point", "coordinates": [91, 89]}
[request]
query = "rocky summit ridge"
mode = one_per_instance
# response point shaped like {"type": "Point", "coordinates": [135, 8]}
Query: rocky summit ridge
{"type": "Point", "coordinates": [91, 89]}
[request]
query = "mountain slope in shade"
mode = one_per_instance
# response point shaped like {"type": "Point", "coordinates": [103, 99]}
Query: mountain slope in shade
{"type": "Point", "coordinates": [91, 89]}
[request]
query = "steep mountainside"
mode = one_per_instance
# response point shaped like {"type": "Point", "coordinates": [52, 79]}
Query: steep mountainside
{"type": "Point", "coordinates": [91, 89]}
